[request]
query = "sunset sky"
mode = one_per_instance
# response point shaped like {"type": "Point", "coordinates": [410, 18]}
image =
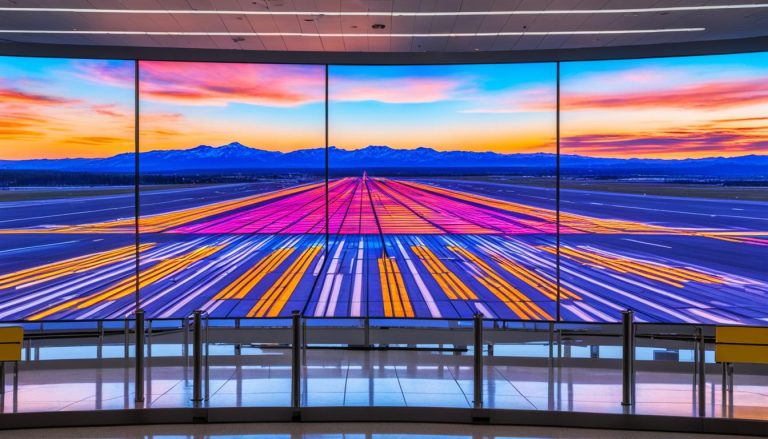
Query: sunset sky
{"type": "Point", "coordinates": [666, 107]}
{"type": "Point", "coordinates": [53, 108]}
{"type": "Point", "coordinates": [686, 107]}
{"type": "Point", "coordinates": [266, 106]}
{"type": "Point", "coordinates": [502, 107]}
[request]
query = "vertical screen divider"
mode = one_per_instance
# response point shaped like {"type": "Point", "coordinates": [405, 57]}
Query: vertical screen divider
{"type": "Point", "coordinates": [557, 189]}
{"type": "Point", "coordinates": [326, 249]}
{"type": "Point", "coordinates": [327, 211]}
{"type": "Point", "coordinates": [137, 239]}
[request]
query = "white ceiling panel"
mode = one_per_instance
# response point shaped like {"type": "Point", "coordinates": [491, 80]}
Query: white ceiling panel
{"type": "Point", "coordinates": [231, 24]}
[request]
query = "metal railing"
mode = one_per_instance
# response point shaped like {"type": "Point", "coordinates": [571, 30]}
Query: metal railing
{"type": "Point", "coordinates": [628, 358]}
{"type": "Point", "coordinates": [559, 337]}
{"type": "Point", "coordinates": [201, 377]}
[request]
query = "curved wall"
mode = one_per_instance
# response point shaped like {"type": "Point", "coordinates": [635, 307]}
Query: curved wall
{"type": "Point", "coordinates": [544, 191]}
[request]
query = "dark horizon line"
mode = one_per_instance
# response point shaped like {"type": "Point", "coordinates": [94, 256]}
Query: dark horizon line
{"type": "Point", "coordinates": [393, 148]}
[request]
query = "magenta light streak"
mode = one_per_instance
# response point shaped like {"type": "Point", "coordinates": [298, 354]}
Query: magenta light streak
{"type": "Point", "coordinates": [362, 206]}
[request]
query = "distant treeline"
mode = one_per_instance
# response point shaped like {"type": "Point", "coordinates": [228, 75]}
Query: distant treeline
{"type": "Point", "coordinates": [24, 178]}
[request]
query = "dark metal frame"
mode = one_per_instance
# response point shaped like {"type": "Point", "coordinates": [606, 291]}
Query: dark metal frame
{"type": "Point", "coordinates": [740, 45]}
{"type": "Point", "coordinates": [385, 414]}
{"type": "Point", "coordinates": [326, 59]}
{"type": "Point", "coordinates": [326, 414]}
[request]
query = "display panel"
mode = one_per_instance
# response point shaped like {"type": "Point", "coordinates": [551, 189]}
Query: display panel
{"type": "Point", "coordinates": [232, 166]}
{"type": "Point", "coordinates": [440, 201]}
{"type": "Point", "coordinates": [66, 168]}
{"type": "Point", "coordinates": [441, 192]}
{"type": "Point", "coordinates": [664, 187]}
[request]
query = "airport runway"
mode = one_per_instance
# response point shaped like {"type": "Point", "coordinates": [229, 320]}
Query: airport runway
{"type": "Point", "coordinates": [397, 248]}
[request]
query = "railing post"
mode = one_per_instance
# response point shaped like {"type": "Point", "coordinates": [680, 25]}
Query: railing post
{"type": "Point", "coordinates": [139, 382]}
{"type": "Point", "coordinates": [724, 387]}
{"type": "Point", "coordinates": [700, 371]}
{"type": "Point", "coordinates": [197, 357]}
{"type": "Point", "coordinates": [100, 345]}
{"type": "Point", "coordinates": [207, 364]}
{"type": "Point", "coordinates": [304, 342]}
{"type": "Point", "coordinates": [185, 341]}
{"type": "Point", "coordinates": [149, 339]}
{"type": "Point", "coordinates": [478, 365]}
{"type": "Point", "coordinates": [367, 333]}
{"type": "Point", "coordinates": [628, 358]}
{"type": "Point", "coordinates": [296, 361]}
{"type": "Point", "coordinates": [126, 339]}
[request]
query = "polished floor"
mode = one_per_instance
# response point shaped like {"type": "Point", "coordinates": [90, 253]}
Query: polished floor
{"type": "Point", "coordinates": [381, 378]}
{"type": "Point", "coordinates": [342, 431]}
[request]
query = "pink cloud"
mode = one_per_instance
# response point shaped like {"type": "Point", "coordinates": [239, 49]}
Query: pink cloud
{"type": "Point", "coordinates": [707, 96]}
{"type": "Point", "coordinates": [531, 100]}
{"type": "Point", "coordinates": [221, 84]}
{"type": "Point", "coordinates": [111, 110]}
{"type": "Point", "coordinates": [395, 91]}
{"type": "Point", "coordinates": [116, 73]}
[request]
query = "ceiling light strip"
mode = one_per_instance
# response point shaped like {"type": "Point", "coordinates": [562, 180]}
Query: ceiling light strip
{"type": "Point", "coordinates": [393, 13]}
{"type": "Point", "coordinates": [353, 35]}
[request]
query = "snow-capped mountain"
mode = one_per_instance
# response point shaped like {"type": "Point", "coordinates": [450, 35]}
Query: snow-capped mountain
{"type": "Point", "coordinates": [236, 156]}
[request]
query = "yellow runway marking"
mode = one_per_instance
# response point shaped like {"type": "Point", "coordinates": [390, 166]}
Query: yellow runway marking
{"type": "Point", "coordinates": [248, 280]}
{"type": "Point", "coordinates": [535, 280]}
{"type": "Point", "coordinates": [275, 298]}
{"type": "Point", "coordinates": [451, 285]}
{"type": "Point", "coordinates": [674, 276]}
{"type": "Point", "coordinates": [128, 286]}
{"type": "Point", "coordinates": [70, 266]}
{"type": "Point", "coordinates": [515, 300]}
{"type": "Point", "coordinates": [395, 297]}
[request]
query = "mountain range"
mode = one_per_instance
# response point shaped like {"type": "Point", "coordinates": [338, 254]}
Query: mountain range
{"type": "Point", "coordinates": [236, 156]}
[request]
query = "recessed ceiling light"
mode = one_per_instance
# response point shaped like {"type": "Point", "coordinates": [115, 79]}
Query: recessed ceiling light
{"type": "Point", "coordinates": [346, 35]}
{"type": "Point", "coordinates": [394, 13]}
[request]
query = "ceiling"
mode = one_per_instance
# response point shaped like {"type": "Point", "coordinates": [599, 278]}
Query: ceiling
{"type": "Point", "coordinates": [408, 25]}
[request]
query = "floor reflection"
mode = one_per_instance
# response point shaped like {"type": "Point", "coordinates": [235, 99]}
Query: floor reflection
{"type": "Point", "coordinates": [343, 431]}
{"type": "Point", "coordinates": [398, 378]}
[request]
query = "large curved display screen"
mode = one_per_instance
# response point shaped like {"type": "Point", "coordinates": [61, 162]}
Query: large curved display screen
{"type": "Point", "coordinates": [421, 192]}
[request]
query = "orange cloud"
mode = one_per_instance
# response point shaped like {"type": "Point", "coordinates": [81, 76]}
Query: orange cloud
{"type": "Point", "coordinates": [707, 96]}
{"type": "Point", "coordinates": [12, 96]}
{"type": "Point", "coordinates": [692, 142]}
{"type": "Point", "coordinates": [220, 84]}
{"type": "Point", "coordinates": [98, 140]}
{"type": "Point", "coordinates": [45, 126]}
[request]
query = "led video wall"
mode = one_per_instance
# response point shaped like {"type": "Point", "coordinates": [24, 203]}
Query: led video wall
{"type": "Point", "coordinates": [419, 156]}
{"type": "Point", "coordinates": [664, 172]}
{"type": "Point", "coordinates": [432, 192]}
{"type": "Point", "coordinates": [67, 169]}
